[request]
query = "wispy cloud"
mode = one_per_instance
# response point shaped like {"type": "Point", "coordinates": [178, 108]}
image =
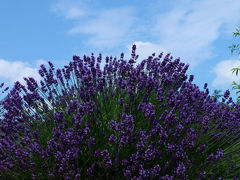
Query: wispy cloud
{"type": "Point", "coordinates": [144, 50]}
{"type": "Point", "coordinates": [17, 70]}
{"type": "Point", "coordinates": [191, 27]}
{"type": "Point", "coordinates": [108, 28]}
{"type": "Point", "coordinates": [224, 77]}
{"type": "Point", "coordinates": [70, 9]}
{"type": "Point", "coordinates": [187, 30]}
{"type": "Point", "coordinates": [105, 28]}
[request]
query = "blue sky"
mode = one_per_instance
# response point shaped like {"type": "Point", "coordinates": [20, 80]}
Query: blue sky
{"type": "Point", "coordinates": [199, 32]}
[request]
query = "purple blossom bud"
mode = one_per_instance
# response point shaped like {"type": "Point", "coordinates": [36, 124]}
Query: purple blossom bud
{"type": "Point", "coordinates": [127, 173]}
{"type": "Point", "coordinates": [113, 139]}
{"type": "Point", "coordinates": [180, 169]}
{"type": "Point", "coordinates": [1, 85]}
{"type": "Point", "coordinates": [226, 94]}
{"type": "Point", "coordinates": [191, 78]}
{"type": "Point", "coordinates": [51, 176]}
{"type": "Point", "coordinates": [77, 177]}
{"type": "Point", "coordinates": [202, 175]}
{"type": "Point", "coordinates": [91, 142]}
{"type": "Point", "coordinates": [120, 102]}
{"type": "Point", "coordinates": [205, 85]}
{"type": "Point", "coordinates": [51, 65]}
{"type": "Point", "coordinates": [219, 154]}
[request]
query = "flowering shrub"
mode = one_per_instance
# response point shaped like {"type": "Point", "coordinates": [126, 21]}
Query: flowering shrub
{"type": "Point", "coordinates": [122, 123]}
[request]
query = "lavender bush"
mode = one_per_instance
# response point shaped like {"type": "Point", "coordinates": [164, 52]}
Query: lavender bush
{"type": "Point", "coordinates": [122, 123]}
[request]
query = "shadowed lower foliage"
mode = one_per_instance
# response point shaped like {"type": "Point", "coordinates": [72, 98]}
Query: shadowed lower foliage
{"type": "Point", "coordinates": [121, 123]}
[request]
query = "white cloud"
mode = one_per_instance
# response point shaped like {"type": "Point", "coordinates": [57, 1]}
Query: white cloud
{"type": "Point", "coordinates": [17, 70]}
{"type": "Point", "coordinates": [144, 50]}
{"type": "Point", "coordinates": [108, 28]}
{"type": "Point", "coordinates": [190, 28]}
{"type": "Point", "coordinates": [70, 9]}
{"type": "Point", "coordinates": [40, 62]}
{"type": "Point", "coordinates": [105, 28]}
{"type": "Point", "coordinates": [224, 77]}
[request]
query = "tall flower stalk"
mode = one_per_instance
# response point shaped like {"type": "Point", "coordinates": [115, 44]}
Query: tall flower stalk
{"type": "Point", "coordinates": [1, 109]}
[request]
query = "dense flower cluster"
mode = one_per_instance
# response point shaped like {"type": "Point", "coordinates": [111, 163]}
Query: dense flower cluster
{"type": "Point", "coordinates": [123, 122]}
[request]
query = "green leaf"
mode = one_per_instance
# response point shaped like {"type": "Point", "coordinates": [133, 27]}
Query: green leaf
{"type": "Point", "coordinates": [235, 69]}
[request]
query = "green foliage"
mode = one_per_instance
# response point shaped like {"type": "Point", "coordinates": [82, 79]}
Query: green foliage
{"type": "Point", "coordinates": [235, 47]}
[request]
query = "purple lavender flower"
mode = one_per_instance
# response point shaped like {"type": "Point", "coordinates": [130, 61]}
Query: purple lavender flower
{"type": "Point", "coordinates": [113, 139]}
{"type": "Point", "coordinates": [167, 128]}
{"type": "Point", "coordinates": [91, 142]}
